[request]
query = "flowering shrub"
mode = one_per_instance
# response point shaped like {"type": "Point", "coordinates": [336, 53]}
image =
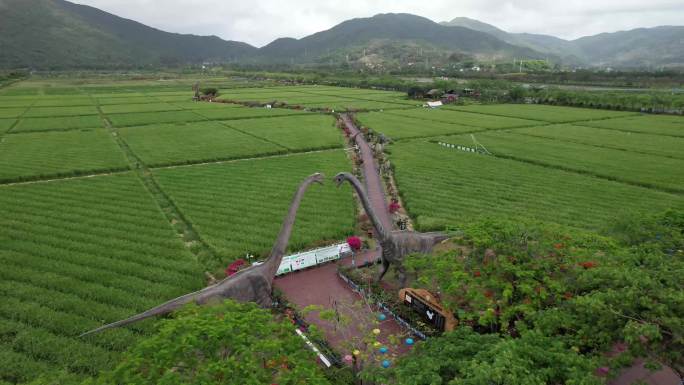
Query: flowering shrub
{"type": "Point", "coordinates": [354, 243]}
{"type": "Point", "coordinates": [580, 291]}
{"type": "Point", "coordinates": [394, 207]}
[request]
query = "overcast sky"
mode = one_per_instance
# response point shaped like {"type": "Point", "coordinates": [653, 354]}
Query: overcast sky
{"type": "Point", "coordinates": [258, 22]}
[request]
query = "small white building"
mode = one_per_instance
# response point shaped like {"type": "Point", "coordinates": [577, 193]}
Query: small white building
{"type": "Point", "coordinates": [436, 104]}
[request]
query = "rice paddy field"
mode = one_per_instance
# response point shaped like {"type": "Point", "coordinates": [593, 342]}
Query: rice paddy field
{"type": "Point", "coordinates": [532, 163]}
{"type": "Point", "coordinates": [99, 178]}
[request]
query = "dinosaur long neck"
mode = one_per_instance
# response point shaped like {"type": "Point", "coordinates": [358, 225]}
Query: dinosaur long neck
{"type": "Point", "coordinates": [280, 246]}
{"type": "Point", "coordinates": [377, 224]}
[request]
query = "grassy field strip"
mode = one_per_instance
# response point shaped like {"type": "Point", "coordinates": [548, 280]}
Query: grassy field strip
{"type": "Point", "coordinates": [191, 240]}
{"type": "Point", "coordinates": [16, 123]}
{"type": "Point", "coordinates": [77, 254]}
{"type": "Point", "coordinates": [131, 108]}
{"type": "Point", "coordinates": [441, 187]}
{"type": "Point", "coordinates": [256, 195]}
{"type": "Point", "coordinates": [67, 123]}
{"type": "Point", "coordinates": [550, 114]}
{"type": "Point", "coordinates": [64, 102]}
{"type": "Point", "coordinates": [642, 143]}
{"type": "Point", "coordinates": [43, 112]}
{"type": "Point", "coordinates": [163, 145]}
{"type": "Point", "coordinates": [58, 154]}
{"type": "Point", "coordinates": [671, 126]}
{"type": "Point", "coordinates": [224, 124]}
{"type": "Point", "coordinates": [6, 124]}
{"type": "Point", "coordinates": [466, 118]}
{"type": "Point", "coordinates": [277, 156]}
{"type": "Point", "coordinates": [401, 127]}
{"type": "Point", "coordinates": [303, 133]}
{"type": "Point", "coordinates": [636, 169]}
{"type": "Point", "coordinates": [356, 97]}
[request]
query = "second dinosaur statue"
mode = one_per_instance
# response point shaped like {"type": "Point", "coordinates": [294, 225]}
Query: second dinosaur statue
{"type": "Point", "coordinates": [250, 285]}
{"type": "Point", "coordinates": [395, 244]}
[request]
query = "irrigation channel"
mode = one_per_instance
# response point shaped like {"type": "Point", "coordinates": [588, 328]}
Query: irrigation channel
{"type": "Point", "coordinates": [322, 286]}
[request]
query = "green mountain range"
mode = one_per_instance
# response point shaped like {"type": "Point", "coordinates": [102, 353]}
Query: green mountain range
{"type": "Point", "coordinates": [383, 28]}
{"type": "Point", "coordinates": [57, 34]}
{"type": "Point", "coordinates": [638, 48]}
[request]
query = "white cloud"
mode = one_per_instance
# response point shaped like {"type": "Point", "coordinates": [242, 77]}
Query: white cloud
{"type": "Point", "coordinates": [258, 22]}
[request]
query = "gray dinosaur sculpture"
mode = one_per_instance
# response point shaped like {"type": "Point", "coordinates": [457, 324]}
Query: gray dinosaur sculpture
{"type": "Point", "coordinates": [253, 284]}
{"type": "Point", "coordinates": [395, 244]}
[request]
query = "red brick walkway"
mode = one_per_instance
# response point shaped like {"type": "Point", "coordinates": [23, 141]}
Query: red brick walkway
{"type": "Point", "coordinates": [322, 286]}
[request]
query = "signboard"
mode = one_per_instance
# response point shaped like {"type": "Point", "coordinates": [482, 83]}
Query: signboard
{"type": "Point", "coordinates": [311, 258]}
{"type": "Point", "coordinates": [430, 315]}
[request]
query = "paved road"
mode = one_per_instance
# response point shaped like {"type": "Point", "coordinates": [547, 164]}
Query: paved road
{"type": "Point", "coordinates": [371, 174]}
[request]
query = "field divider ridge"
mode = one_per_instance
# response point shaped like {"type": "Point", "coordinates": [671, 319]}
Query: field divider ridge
{"type": "Point", "coordinates": [566, 140]}
{"type": "Point", "coordinates": [236, 160]}
{"type": "Point", "coordinates": [587, 173]}
{"type": "Point", "coordinates": [579, 123]}
{"type": "Point", "coordinates": [192, 240]}
{"type": "Point", "coordinates": [539, 120]}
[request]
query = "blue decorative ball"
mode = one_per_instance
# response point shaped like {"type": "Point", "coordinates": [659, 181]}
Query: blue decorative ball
{"type": "Point", "coordinates": [383, 350]}
{"type": "Point", "coordinates": [386, 364]}
{"type": "Point", "coordinates": [409, 341]}
{"type": "Point", "coordinates": [382, 317]}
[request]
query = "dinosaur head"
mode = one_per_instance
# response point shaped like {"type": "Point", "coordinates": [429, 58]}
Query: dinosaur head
{"type": "Point", "coordinates": [317, 178]}
{"type": "Point", "coordinates": [340, 178]}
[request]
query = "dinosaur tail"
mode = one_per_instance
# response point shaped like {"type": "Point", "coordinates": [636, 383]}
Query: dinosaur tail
{"type": "Point", "coordinates": [164, 308]}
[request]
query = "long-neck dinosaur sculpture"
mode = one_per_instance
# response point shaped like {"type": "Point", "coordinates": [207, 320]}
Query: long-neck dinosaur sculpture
{"type": "Point", "coordinates": [395, 244]}
{"type": "Point", "coordinates": [250, 285]}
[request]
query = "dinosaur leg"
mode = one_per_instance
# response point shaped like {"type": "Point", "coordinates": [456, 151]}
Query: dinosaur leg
{"type": "Point", "coordinates": [383, 269]}
{"type": "Point", "coordinates": [402, 275]}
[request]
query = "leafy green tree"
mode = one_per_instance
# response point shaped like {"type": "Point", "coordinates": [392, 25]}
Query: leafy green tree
{"type": "Point", "coordinates": [230, 343]}
{"type": "Point", "coordinates": [464, 357]}
{"type": "Point", "coordinates": [588, 292]}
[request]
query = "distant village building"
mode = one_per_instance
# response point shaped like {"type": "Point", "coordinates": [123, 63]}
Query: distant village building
{"type": "Point", "coordinates": [434, 93]}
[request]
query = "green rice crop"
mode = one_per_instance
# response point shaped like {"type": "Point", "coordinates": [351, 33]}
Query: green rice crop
{"type": "Point", "coordinates": [6, 124]}
{"type": "Point", "coordinates": [244, 112]}
{"type": "Point", "coordinates": [621, 140]}
{"type": "Point", "coordinates": [58, 123]}
{"type": "Point", "coordinates": [551, 114]}
{"type": "Point", "coordinates": [640, 169]}
{"type": "Point", "coordinates": [106, 101]}
{"type": "Point", "coordinates": [445, 187]}
{"type": "Point", "coordinates": [51, 154]}
{"type": "Point", "coordinates": [63, 102]}
{"type": "Point", "coordinates": [14, 102]}
{"type": "Point", "coordinates": [158, 145]}
{"type": "Point", "coordinates": [403, 127]}
{"type": "Point", "coordinates": [237, 207]}
{"type": "Point", "coordinates": [305, 132]}
{"type": "Point", "coordinates": [146, 107]}
{"type": "Point", "coordinates": [650, 124]}
{"type": "Point", "coordinates": [77, 254]}
{"type": "Point", "coordinates": [141, 118]}
{"type": "Point", "coordinates": [40, 112]}
{"type": "Point", "coordinates": [465, 118]}
{"type": "Point", "coordinates": [11, 112]}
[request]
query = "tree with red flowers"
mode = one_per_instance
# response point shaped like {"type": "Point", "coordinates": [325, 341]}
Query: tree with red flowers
{"type": "Point", "coordinates": [354, 243]}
